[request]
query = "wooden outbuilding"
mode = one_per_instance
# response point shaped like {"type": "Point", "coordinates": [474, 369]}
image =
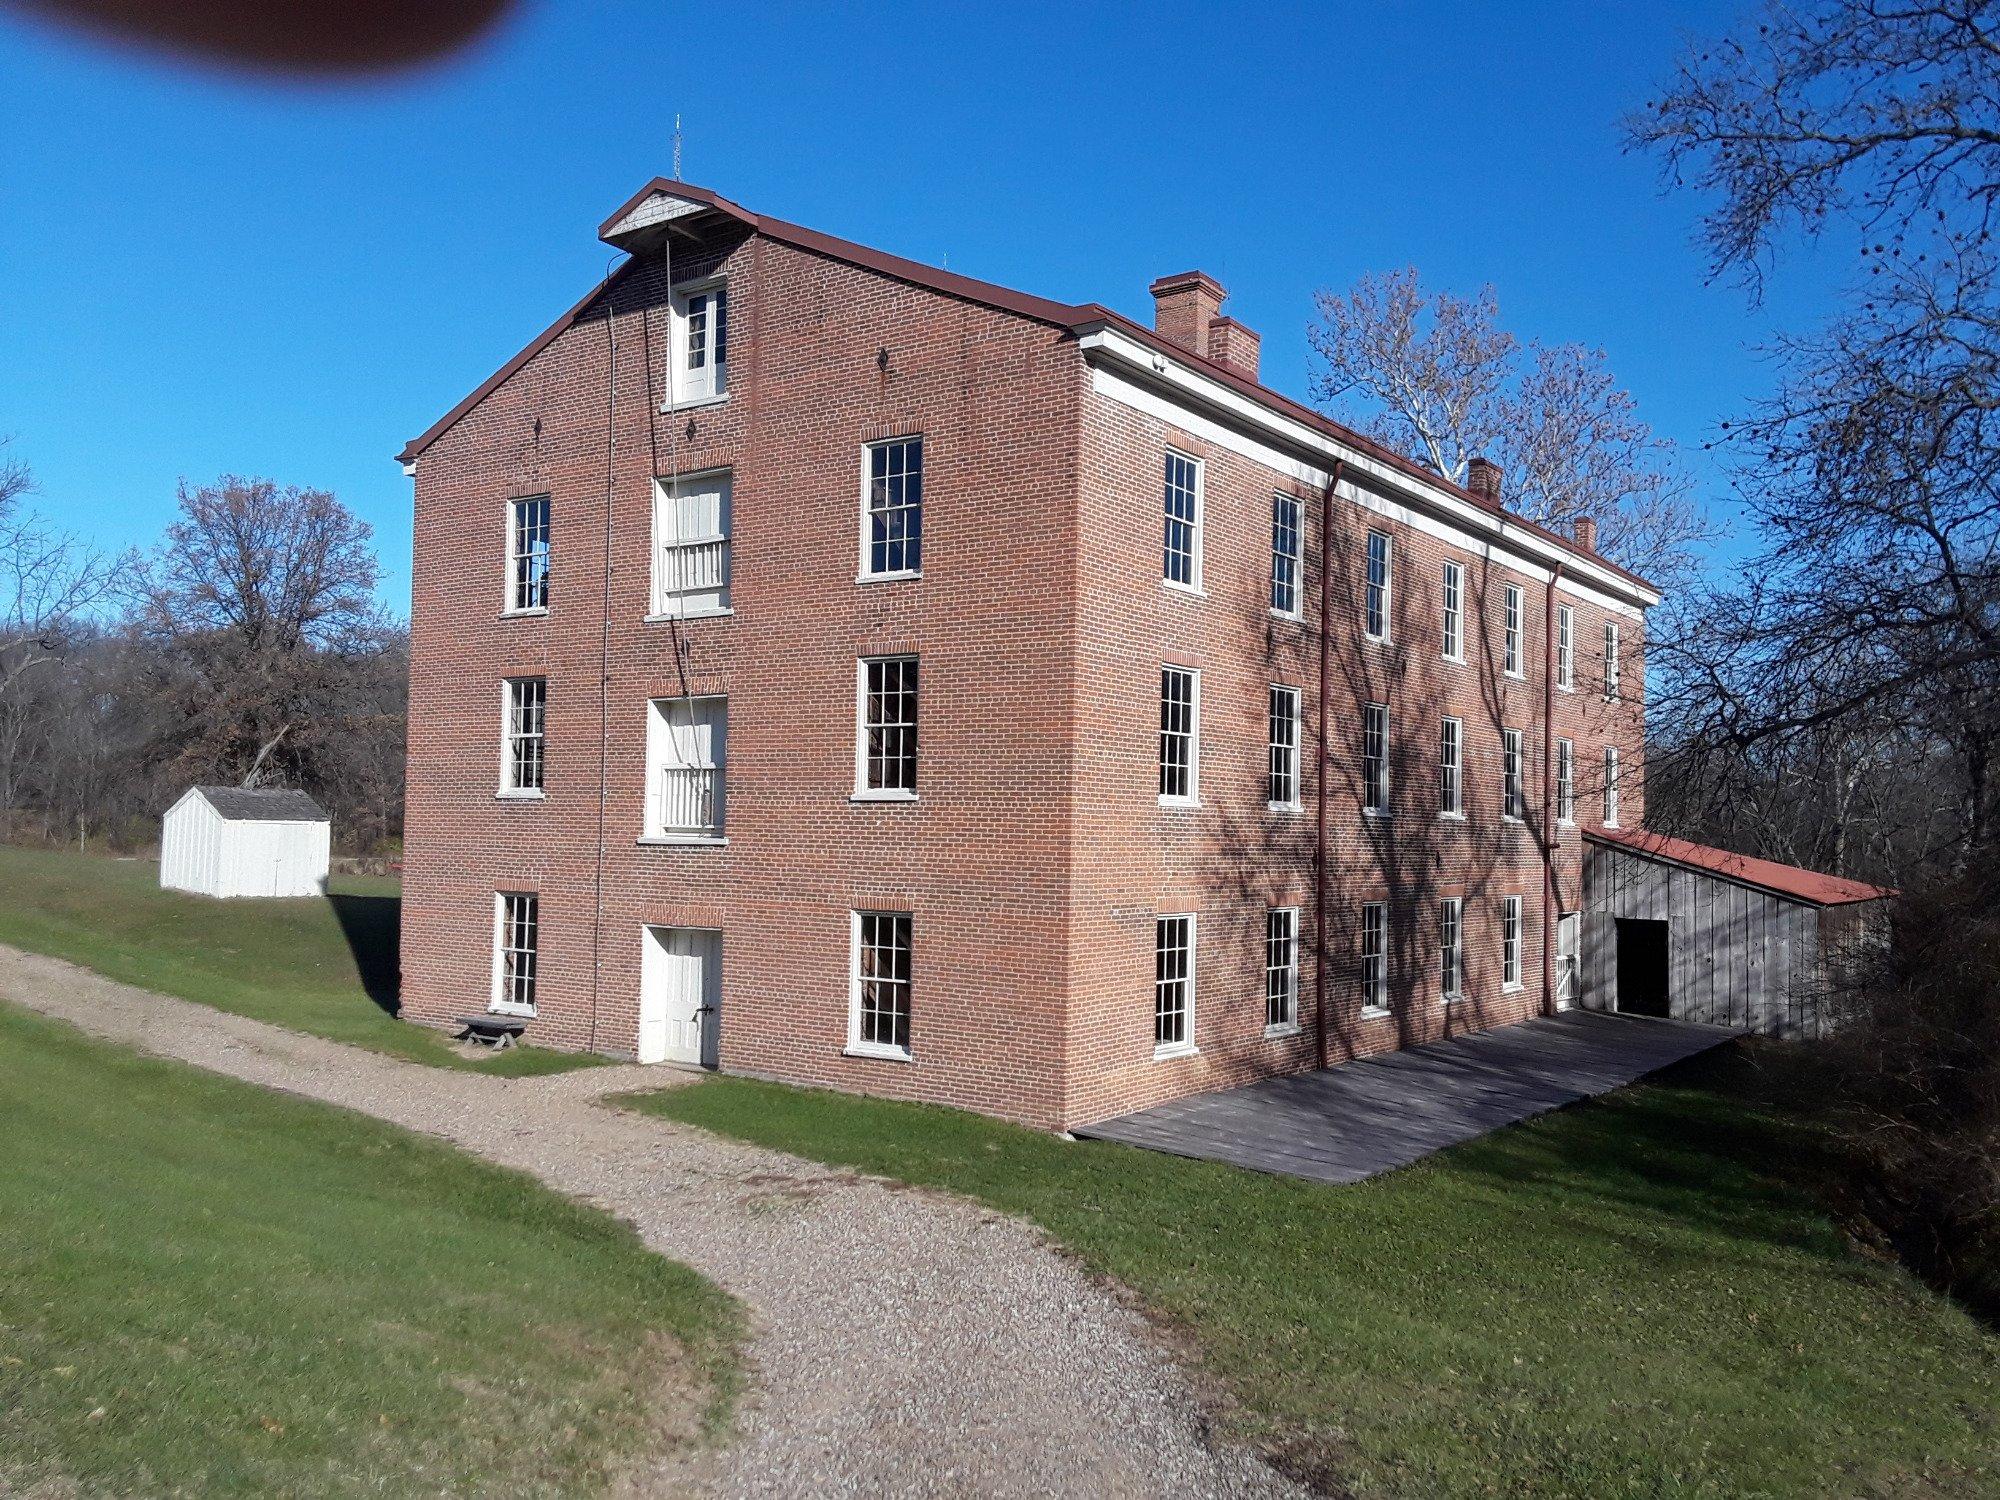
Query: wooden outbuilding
{"type": "Point", "coordinates": [232, 841]}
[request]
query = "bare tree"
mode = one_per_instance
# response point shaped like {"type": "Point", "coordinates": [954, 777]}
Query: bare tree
{"type": "Point", "coordinates": [49, 582]}
{"type": "Point", "coordinates": [1434, 375]}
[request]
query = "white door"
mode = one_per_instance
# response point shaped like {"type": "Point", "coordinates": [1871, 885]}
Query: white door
{"type": "Point", "coordinates": [1568, 928]}
{"type": "Point", "coordinates": [680, 996]}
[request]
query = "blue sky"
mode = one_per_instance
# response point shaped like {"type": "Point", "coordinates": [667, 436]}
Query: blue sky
{"type": "Point", "coordinates": [204, 272]}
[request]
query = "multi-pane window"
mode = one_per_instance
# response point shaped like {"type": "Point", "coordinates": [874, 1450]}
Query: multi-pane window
{"type": "Point", "coordinates": [1513, 776]}
{"type": "Point", "coordinates": [701, 325]}
{"type": "Point", "coordinates": [1375, 610]}
{"type": "Point", "coordinates": [1281, 967]}
{"type": "Point", "coordinates": [1451, 957]}
{"type": "Point", "coordinates": [1565, 647]}
{"type": "Point", "coordinates": [892, 531]}
{"type": "Point", "coordinates": [1375, 758]}
{"type": "Point", "coordinates": [1181, 506]}
{"type": "Point", "coordinates": [691, 545]}
{"type": "Point", "coordinates": [526, 708]}
{"type": "Point", "coordinates": [516, 936]}
{"type": "Point", "coordinates": [1285, 528]}
{"type": "Point", "coordinates": [1173, 982]}
{"type": "Point", "coordinates": [1510, 943]}
{"type": "Point", "coordinates": [1512, 603]}
{"type": "Point", "coordinates": [1375, 956]}
{"type": "Point", "coordinates": [1451, 768]}
{"type": "Point", "coordinates": [1611, 785]}
{"type": "Point", "coordinates": [887, 748]}
{"type": "Point", "coordinates": [528, 553]}
{"type": "Point", "coordinates": [1610, 661]}
{"type": "Point", "coordinates": [1180, 710]}
{"type": "Point", "coordinates": [1565, 781]}
{"type": "Point", "coordinates": [881, 983]}
{"type": "Point", "coordinates": [1454, 611]}
{"type": "Point", "coordinates": [686, 753]}
{"type": "Point", "coordinates": [1284, 787]}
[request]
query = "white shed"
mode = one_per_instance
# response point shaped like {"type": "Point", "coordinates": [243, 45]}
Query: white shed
{"type": "Point", "coordinates": [226, 841]}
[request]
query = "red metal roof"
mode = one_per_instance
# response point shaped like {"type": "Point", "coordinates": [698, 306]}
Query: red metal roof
{"type": "Point", "coordinates": [1765, 874]}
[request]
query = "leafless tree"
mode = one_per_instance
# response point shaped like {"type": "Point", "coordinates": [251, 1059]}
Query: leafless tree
{"type": "Point", "coordinates": [49, 581]}
{"type": "Point", "coordinates": [1434, 375]}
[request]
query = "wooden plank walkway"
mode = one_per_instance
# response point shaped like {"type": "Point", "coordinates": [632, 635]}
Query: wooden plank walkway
{"type": "Point", "coordinates": [1348, 1123]}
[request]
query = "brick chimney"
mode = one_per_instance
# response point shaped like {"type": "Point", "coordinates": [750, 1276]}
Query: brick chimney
{"type": "Point", "coordinates": [1586, 533]}
{"type": "Point", "coordinates": [1482, 477]}
{"type": "Point", "coordinates": [1231, 344]}
{"type": "Point", "coordinates": [1184, 306]}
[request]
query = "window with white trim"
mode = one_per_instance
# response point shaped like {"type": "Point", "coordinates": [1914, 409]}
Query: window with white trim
{"type": "Point", "coordinates": [1375, 956]}
{"type": "Point", "coordinates": [1181, 505]}
{"type": "Point", "coordinates": [1287, 522]}
{"type": "Point", "coordinates": [879, 1007]}
{"type": "Point", "coordinates": [1281, 968]}
{"type": "Point", "coordinates": [686, 754]}
{"type": "Point", "coordinates": [1283, 790]}
{"type": "Point", "coordinates": [886, 727]}
{"type": "Point", "coordinates": [701, 344]}
{"type": "Point", "coordinates": [1180, 729]}
{"type": "Point", "coordinates": [1451, 956]}
{"type": "Point", "coordinates": [1375, 608]}
{"type": "Point", "coordinates": [691, 544]}
{"type": "Point", "coordinates": [1513, 776]}
{"type": "Point", "coordinates": [1565, 781]}
{"type": "Point", "coordinates": [1173, 983]}
{"type": "Point", "coordinates": [1512, 605]}
{"type": "Point", "coordinates": [516, 952]}
{"type": "Point", "coordinates": [1451, 768]}
{"type": "Point", "coordinates": [1454, 611]}
{"type": "Point", "coordinates": [1566, 648]}
{"type": "Point", "coordinates": [1375, 759]}
{"type": "Point", "coordinates": [1611, 786]}
{"type": "Point", "coordinates": [1610, 661]}
{"type": "Point", "coordinates": [528, 554]}
{"type": "Point", "coordinates": [523, 761]}
{"type": "Point", "coordinates": [892, 508]}
{"type": "Point", "coordinates": [1510, 943]}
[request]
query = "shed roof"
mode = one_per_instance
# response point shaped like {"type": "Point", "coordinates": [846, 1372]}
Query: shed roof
{"type": "Point", "coordinates": [247, 805]}
{"type": "Point", "coordinates": [1789, 881]}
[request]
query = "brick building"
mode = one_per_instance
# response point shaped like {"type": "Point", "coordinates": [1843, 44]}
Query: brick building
{"type": "Point", "coordinates": [834, 669]}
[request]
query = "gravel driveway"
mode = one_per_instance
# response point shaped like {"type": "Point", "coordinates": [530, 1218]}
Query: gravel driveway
{"type": "Point", "coordinates": [902, 1342]}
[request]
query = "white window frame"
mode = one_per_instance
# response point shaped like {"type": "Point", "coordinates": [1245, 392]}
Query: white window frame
{"type": "Point", "coordinates": [1378, 599]}
{"type": "Point", "coordinates": [516, 555]}
{"type": "Point", "coordinates": [1511, 918]}
{"type": "Point", "coordinates": [1280, 503]}
{"type": "Point", "coordinates": [1192, 585]}
{"type": "Point", "coordinates": [498, 1001]}
{"type": "Point", "coordinates": [684, 389]}
{"type": "Point", "coordinates": [1612, 668]}
{"type": "Point", "coordinates": [863, 792]}
{"type": "Point", "coordinates": [661, 736]}
{"type": "Point", "coordinates": [1192, 796]}
{"type": "Point", "coordinates": [1281, 970]}
{"type": "Point", "coordinates": [1451, 767]}
{"type": "Point", "coordinates": [1184, 1046]}
{"type": "Point", "coordinates": [1610, 786]}
{"type": "Point", "coordinates": [1375, 764]}
{"type": "Point", "coordinates": [1513, 776]}
{"type": "Point", "coordinates": [1565, 782]}
{"type": "Point", "coordinates": [509, 765]}
{"type": "Point", "coordinates": [1451, 950]}
{"type": "Point", "coordinates": [1513, 608]}
{"type": "Point", "coordinates": [866, 571]}
{"type": "Point", "coordinates": [1283, 765]}
{"type": "Point", "coordinates": [1452, 613]}
{"type": "Point", "coordinates": [1374, 958]}
{"type": "Point", "coordinates": [664, 603]}
{"type": "Point", "coordinates": [857, 1045]}
{"type": "Point", "coordinates": [1566, 647]}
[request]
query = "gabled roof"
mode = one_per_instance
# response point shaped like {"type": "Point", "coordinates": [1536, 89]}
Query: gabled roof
{"type": "Point", "coordinates": [243, 805]}
{"type": "Point", "coordinates": [1788, 881]}
{"type": "Point", "coordinates": [653, 211]}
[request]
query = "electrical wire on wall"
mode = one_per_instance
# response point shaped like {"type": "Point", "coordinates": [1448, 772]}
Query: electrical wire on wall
{"type": "Point", "coordinates": [604, 641]}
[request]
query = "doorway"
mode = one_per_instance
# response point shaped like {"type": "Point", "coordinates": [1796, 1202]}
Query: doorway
{"type": "Point", "coordinates": [1568, 930]}
{"type": "Point", "coordinates": [1642, 968]}
{"type": "Point", "coordinates": [680, 996]}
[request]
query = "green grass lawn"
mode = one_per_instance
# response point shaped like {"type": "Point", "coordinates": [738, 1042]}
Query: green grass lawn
{"type": "Point", "coordinates": [327, 965]}
{"type": "Point", "coordinates": [207, 1288]}
{"type": "Point", "coordinates": [1634, 1297]}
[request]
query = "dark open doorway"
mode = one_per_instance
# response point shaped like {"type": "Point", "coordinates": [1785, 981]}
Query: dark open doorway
{"type": "Point", "coordinates": [1642, 967]}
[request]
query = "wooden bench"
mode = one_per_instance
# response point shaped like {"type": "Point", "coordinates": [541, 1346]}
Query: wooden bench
{"type": "Point", "coordinates": [498, 1032]}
